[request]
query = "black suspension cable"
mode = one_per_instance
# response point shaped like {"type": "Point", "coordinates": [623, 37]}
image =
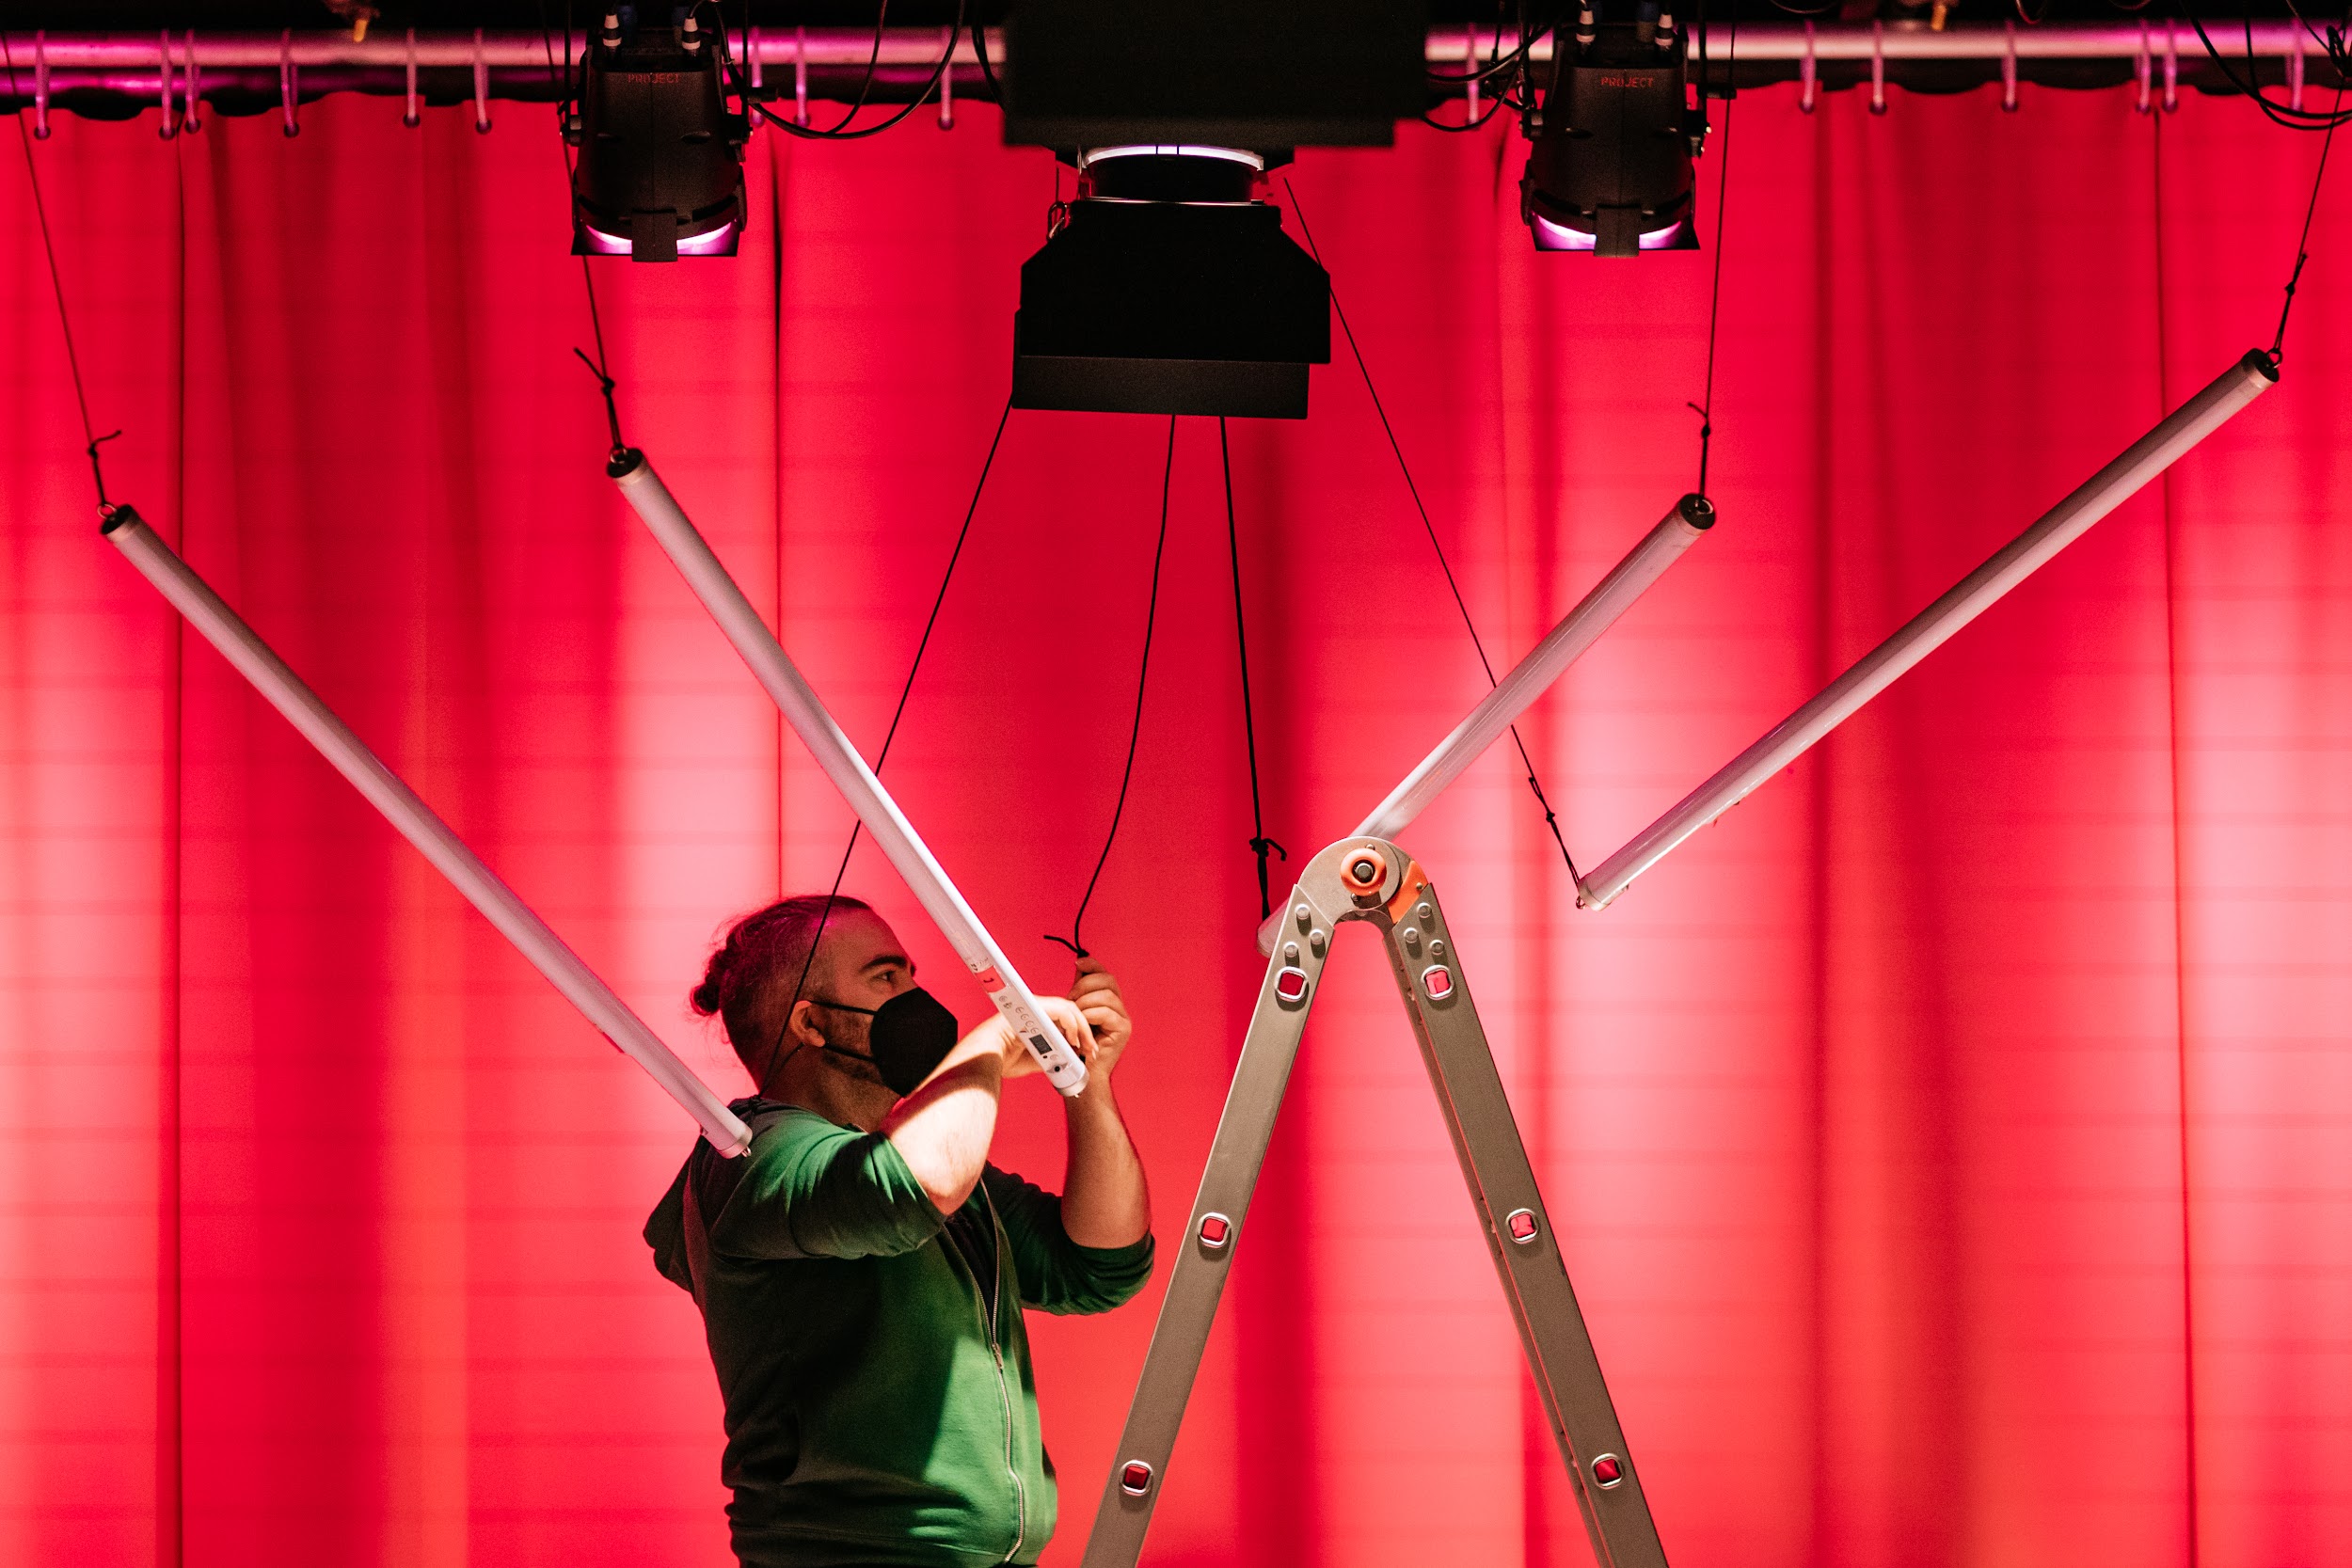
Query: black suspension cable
{"type": "Point", "coordinates": [92, 441]}
{"type": "Point", "coordinates": [913, 668]}
{"type": "Point", "coordinates": [600, 367]}
{"type": "Point", "coordinates": [1704, 408]}
{"type": "Point", "coordinates": [1075, 942]}
{"type": "Point", "coordinates": [1259, 845]}
{"type": "Point", "coordinates": [1552, 818]}
{"type": "Point", "coordinates": [2303, 244]}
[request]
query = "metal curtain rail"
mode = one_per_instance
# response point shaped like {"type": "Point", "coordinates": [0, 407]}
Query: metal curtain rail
{"type": "Point", "coordinates": [270, 675]}
{"type": "Point", "coordinates": [808, 715]}
{"type": "Point", "coordinates": [244, 70]}
{"type": "Point", "coordinates": [523, 49]}
{"type": "Point", "coordinates": [2064, 523]}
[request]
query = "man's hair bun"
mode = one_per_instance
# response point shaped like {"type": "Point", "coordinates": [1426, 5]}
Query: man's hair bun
{"type": "Point", "coordinates": [750, 980]}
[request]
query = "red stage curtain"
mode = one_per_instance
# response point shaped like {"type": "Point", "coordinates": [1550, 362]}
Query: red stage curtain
{"type": "Point", "coordinates": [1948, 1145]}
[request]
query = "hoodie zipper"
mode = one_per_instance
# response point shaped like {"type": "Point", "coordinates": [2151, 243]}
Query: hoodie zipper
{"type": "Point", "coordinates": [1003, 1389]}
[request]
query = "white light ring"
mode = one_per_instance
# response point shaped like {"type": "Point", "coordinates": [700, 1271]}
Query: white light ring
{"type": "Point", "coordinates": [1091, 156]}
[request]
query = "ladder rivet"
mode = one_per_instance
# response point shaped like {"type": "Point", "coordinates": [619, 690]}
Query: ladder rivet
{"type": "Point", "coordinates": [1608, 1471]}
{"type": "Point", "coordinates": [1134, 1478]}
{"type": "Point", "coordinates": [1426, 914]}
{"type": "Point", "coordinates": [1302, 914]}
{"type": "Point", "coordinates": [1411, 935]}
{"type": "Point", "coordinates": [1315, 939]}
{"type": "Point", "coordinates": [1520, 1222]}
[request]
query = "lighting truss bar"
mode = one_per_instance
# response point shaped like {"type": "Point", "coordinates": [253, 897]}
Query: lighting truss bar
{"type": "Point", "coordinates": [810, 720]}
{"type": "Point", "coordinates": [1928, 630]}
{"type": "Point", "coordinates": [1532, 676]}
{"type": "Point", "coordinates": [526, 50]}
{"type": "Point", "coordinates": [515, 60]}
{"type": "Point", "coordinates": [417, 823]}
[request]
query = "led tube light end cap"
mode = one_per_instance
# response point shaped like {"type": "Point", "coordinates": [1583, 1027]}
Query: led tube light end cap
{"type": "Point", "coordinates": [625, 463]}
{"type": "Point", "coordinates": [2259, 361]}
{"type": "Point", "coordinates": [113, 517]}
{"type": "Point", "coordinates": [1697, 510]}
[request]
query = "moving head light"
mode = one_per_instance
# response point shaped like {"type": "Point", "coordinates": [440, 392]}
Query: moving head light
{"type": "Point", "coordinates": [1610, 171]}
{"type": "Point", "coordinates": [1169, 288]}
{"type": "Point", "coordinates": [660, 173]}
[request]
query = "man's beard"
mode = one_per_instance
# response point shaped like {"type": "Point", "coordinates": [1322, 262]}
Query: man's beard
{"type": "Point", "coordinates": [852, 1057]}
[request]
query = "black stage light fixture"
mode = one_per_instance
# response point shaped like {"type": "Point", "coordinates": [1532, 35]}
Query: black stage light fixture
{"type": "Point", "coordinates": [1261, 73]}
{"type": "Point", "coordinates": [660, 173]}
{"type": "Point", "coordinates": [1167, 287]}
{"type": "Point", "coordinates": [1610, 171]}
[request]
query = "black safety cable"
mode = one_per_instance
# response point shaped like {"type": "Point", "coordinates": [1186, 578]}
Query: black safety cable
{"type": "Point", "coordinates": [1552, 818]}
{"type": "Point", "coordinates": [1259, 845]}
{"type": "Point", "coordinates": [600, 367]}
{"type": "Point", "coordinates": [1075, 941]}
{"type": "Point", "coordinates": [90, 440]}
{"type": "Point", "coordinates": [1705, 407]}
{"type": "Point", "coordinates": [913, 668]}
{"type": "Point", "coordinates": [2303, 244]}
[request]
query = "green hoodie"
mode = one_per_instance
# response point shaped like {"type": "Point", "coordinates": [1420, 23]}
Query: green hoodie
{"type": "Point", "coordinates": [880, 1407]}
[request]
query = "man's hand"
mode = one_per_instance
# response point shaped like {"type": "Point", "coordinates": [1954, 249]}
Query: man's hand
{"type": "Point", "coordinates": [1097, 995]}
{"type": "Point", "coordinates": [1064, 1016]}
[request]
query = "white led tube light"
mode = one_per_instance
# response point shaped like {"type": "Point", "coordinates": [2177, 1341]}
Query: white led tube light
{"type": "Point", "coordinates": [1527, 680]}
{"type": "Point", "coordinates": [417, 823]}
{"type": "Point", "coordinates": [808, 715]}
{"type": "Point", "coordinates": [1926, 632]}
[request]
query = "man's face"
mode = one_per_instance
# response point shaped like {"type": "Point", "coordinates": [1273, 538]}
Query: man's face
{"type": "Point", "coordinates": [862, 963]}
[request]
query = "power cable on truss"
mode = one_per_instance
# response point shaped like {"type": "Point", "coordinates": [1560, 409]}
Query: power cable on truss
{"type": "Point", "coordinates": [1552, 818]}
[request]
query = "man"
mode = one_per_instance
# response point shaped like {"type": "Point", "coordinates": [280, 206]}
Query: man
{"type": "Point", "coordinates": [862, 1271]}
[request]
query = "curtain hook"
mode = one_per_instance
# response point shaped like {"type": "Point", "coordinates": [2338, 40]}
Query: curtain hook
{"type": "Point", "coordinates": [1878, 68]}
{"type": "Point", "coordinates": [171, 127]}
{"type": "Point", "coordinates": [40, 86]}
{"type": "Point", "coordinates": [947, 84]}
{"type": "Point", "coordinates": [2143, 66]}
{"type": "Point", "coordinates": [1470, 72]}
{"type": "Point", "coordinates": [411, 115]}
{"type": "Point", "coordinates": [799, 76]}
{"type": "Point", "coordinates": [1806, 76]}
{"type": "Point", "coordinates": [2171, 67]}
{"type": "Point", "coordinates": [289, 90]}
{"type": "Point", "coordinates": [2009, 72]}
{"type": "Point", "coordinates": [481, 86]}
{"type": "Point", "coordinates": [192, 93]}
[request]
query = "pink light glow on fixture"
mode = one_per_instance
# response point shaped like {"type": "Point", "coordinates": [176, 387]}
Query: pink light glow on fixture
{"type": "Point", "coordinates": [1552, 236]}
{"type": "Point", "coordinates": [717, 242]}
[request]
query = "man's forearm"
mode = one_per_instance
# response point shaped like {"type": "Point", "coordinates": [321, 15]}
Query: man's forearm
{"type": "Point", "coordinates": [943, 1129]}
{"type": "Point", "coordinates": [1105, 1202]}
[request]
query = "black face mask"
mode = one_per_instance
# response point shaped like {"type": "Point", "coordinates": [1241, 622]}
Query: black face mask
{"type": "Point", "coordinates": [910, 1035]}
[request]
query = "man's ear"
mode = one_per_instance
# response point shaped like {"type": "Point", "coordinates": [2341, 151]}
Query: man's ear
{"type": "Point", "coordinates": [801, 1029]}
